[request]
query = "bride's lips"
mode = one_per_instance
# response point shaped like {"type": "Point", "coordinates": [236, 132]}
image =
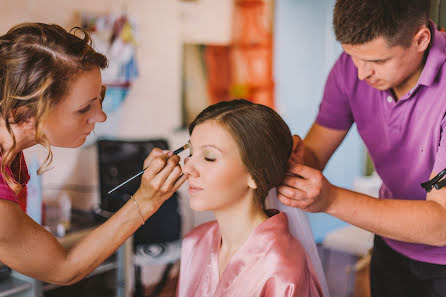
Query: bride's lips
{"type": "Point", "coordinates": [193, 189]}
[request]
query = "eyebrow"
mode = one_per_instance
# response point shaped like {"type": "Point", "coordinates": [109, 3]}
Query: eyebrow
{"type": "Point", "coordinates": [377, 60]}
{"type": "Point", "coordinates": [206, 146]}
{"type": "Point", "coordinates": [91, 100]}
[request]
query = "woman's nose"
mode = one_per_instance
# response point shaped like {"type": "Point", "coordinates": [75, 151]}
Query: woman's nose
{"type": "Point", "coordinates": [98, 116]}
{"type": "Point", "coordinates": [189, 168]}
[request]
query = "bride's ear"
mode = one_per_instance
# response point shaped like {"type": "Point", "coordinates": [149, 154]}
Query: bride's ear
{"type": "Point", "coordinates": [252, 183]}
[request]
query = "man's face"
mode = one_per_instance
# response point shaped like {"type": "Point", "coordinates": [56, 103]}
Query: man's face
{"type": "Point", "coordinates": [386, 67]}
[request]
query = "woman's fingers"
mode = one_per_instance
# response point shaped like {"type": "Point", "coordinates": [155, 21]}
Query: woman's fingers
{"type": "Point", "coordinates": [172, 178]}
{"type": "Point", "coordinates": [179, 182]}
{"type": "Point", "coordinates": [162, 171]}
{"type": "Point", "coordinates": [169, 169]}
{"type": "Point", "coordinates": [156, 152]}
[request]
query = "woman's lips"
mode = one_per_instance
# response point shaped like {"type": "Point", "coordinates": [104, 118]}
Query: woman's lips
{"type": "Point", "coordinates": [193, 189]}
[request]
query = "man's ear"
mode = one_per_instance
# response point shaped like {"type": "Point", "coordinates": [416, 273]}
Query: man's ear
{"type": "Point", "coordinates": [251, 183]}
{"type": "Point", "coordinates": [422, 38]}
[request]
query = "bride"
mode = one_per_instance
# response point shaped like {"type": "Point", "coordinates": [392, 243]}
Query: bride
{"type": "Point", "coordinates": [239, 151]}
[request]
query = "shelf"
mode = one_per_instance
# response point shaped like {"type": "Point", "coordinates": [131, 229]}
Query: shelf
{"type": "Point", "coordinates": [11, 285]}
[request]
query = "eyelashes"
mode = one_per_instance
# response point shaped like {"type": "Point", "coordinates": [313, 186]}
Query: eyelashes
{"type": "Point", "coordinates": [206, 157]}
{"type": "Point", "coordinates": [85, 109]}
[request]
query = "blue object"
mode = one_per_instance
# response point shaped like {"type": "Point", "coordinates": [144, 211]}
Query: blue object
{"type": "Point", "coordinates": [34, 192]}
{"type": "Point", "coordinates": [114, 96]}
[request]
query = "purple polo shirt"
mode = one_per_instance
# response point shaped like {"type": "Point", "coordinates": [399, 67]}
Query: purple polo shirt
{"type": "Point", "coordinates": [406, 139]}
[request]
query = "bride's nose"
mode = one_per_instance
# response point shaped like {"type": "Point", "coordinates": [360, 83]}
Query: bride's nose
{"type": "Point", "coordinates": [189, 168]}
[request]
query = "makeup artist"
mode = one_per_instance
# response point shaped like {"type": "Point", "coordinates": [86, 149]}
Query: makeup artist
{"type": "Point", "coordinates": [51, 94]}
{"type": "Point", "coordinates": [391, 81]}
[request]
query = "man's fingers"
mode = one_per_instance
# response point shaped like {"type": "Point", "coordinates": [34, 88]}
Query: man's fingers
{"type": "Point", "coordinates": [297, 183]}
{"type": "Point", "coordinates": [304, 171]}
{"type": "Point", "coordinates": [291, 201]}
{"type": "Point", "coordinates": [291, 192]}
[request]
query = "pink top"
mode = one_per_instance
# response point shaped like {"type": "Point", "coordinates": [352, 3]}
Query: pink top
{"type": "Point", "coordinates": [5, 190]}
{"type": "Point", "coordinates": [270, 263]}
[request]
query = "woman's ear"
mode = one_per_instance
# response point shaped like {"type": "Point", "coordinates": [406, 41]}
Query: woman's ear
{"type": "Point", "coordinates": [252, 183]}
{"type": "Point", "coordinates": [29, 124]}
{"type": "Point", "coordinates": [21, 112]}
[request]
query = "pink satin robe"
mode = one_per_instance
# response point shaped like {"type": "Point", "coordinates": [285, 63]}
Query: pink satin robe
{"type": "Point", "coordinates": [270, 263]}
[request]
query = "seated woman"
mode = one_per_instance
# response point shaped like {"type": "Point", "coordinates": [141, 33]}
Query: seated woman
{"type": "Point", "coordinates": [239, 151]}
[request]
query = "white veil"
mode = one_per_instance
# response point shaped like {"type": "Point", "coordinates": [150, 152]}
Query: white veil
{"type": "Point", "coordinates": [300, 228]}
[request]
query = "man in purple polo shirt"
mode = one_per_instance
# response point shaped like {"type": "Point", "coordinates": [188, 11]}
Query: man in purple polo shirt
{"type": "Point", "coordinates": [391, 82]}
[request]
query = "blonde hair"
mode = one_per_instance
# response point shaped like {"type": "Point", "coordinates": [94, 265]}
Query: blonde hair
{"type": "Point", "coordinates": [37, 64]}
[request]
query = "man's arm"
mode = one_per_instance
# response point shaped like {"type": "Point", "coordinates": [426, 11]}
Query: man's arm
{"type": "Point", "coordinates": [419, 221]}
{"type": "Point", "coordinates": [319, 145]}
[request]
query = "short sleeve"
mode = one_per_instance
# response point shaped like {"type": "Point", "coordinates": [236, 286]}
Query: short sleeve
{"type": "Point", "coordinates": [335, 111]}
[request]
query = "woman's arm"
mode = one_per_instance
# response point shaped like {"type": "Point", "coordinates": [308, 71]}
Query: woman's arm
{"type": "Point", "coordinates": [28, 248]}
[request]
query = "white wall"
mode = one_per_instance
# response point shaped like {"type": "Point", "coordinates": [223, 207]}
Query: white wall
{"type": "Point", "coordinates": [152, 108]}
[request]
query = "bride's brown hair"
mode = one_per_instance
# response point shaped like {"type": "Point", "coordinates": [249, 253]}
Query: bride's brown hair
{"type": "Point", "coordinates": [263, 138]}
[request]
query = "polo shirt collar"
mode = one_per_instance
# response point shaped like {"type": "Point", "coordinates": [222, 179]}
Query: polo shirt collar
{"type": "Point", "coordinates": [435, 58]}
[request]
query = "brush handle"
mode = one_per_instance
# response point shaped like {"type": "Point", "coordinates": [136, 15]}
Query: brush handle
{"type": "Point", "coordinates": [176, 152]}
{"type": "Point", "coordinates": [130, 179]}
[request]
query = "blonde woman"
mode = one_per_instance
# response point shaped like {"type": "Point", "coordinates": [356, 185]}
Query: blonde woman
{"type": "Point", "coordinates": [51, 94]}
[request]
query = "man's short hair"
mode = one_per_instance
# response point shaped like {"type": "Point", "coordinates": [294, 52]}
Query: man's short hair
{"type": "Point", "coordinates": [361, 21]}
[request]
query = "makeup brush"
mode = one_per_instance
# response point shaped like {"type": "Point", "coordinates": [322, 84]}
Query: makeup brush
{"type": "Point", "coordinates": [175, 152]}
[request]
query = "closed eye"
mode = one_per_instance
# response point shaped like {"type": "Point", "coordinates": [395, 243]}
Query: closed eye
{"type": "Point", "coordinates": [85, 109]}
{"type": "Point", "coordinates": [208, 156]}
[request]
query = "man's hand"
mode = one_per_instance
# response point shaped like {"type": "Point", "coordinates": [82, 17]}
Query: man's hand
{"type": "Point", "coordinates": [306, 188]}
